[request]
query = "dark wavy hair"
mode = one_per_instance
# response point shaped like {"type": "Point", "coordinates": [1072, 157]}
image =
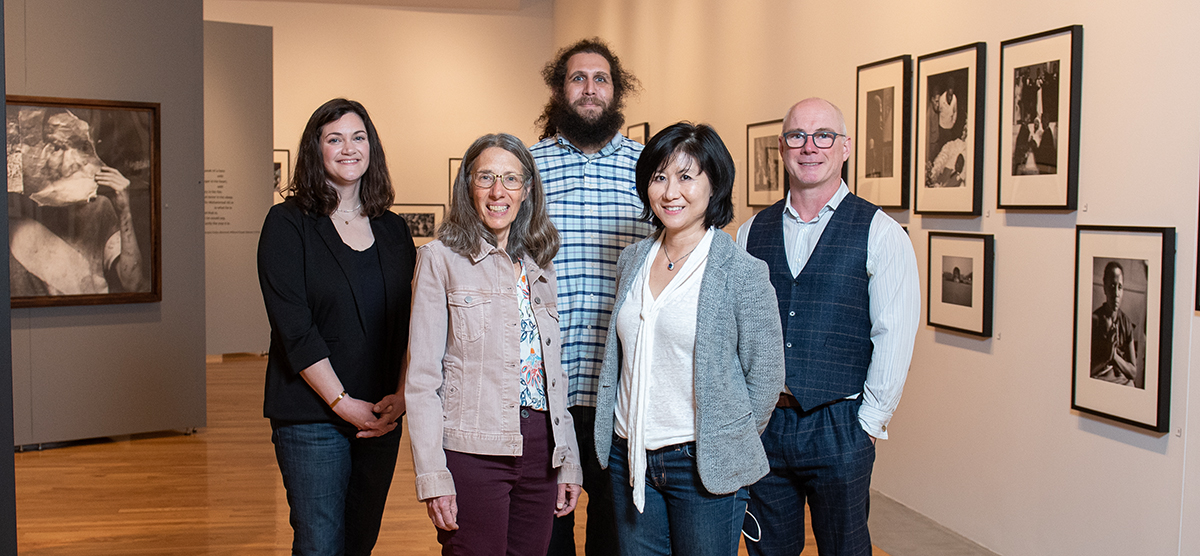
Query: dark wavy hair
{"type": "Point", "coordinates": [531, 233]}
{"type": "Point", "coordinates": [310, 185]}
{"type": "Point", "coordinates": [555, 76]}
{"type": "Point", "coordinates": [701, 142]}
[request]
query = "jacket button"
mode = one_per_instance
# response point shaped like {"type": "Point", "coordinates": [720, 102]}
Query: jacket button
{"type": "Point", "coordinates": [547, 341]}
{"type": "Point", "coordinates": [789, 344]}
{"type": "Point", "coordinates": [553, 382]}
{"type": "Point", "coordinates": [556, 420]}
{"type": "Point", "coordinates": [467, 299]}
{"type": "Point", "coordinates": [537, 300]}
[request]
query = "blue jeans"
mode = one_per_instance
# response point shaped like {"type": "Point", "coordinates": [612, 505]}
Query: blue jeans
{"type": "Point", "coordinates": [680, 516]}
{"type": "Point", "coordinates": [336, 485]}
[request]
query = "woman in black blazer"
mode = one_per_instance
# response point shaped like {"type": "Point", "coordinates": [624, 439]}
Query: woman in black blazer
{"type": "Point", "coordinates": [335, 266]}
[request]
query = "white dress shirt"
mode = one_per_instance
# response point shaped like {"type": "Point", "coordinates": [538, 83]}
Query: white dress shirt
{"type": "Point", "coordinates": [895, 293]}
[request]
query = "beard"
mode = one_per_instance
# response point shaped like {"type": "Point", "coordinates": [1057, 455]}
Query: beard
{"type": "Point", "coordinates": [562, 118]}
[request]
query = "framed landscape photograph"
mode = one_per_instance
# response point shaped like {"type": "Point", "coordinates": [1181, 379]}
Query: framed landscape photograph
{"type": "Point", "coordinates": [455, 163]}
{"type": "Point", "coordinates": [1040, 86]}
{"type": "Point", "coordinates": [950, 122]}
{"type": "Point", "coordinates": [423, 220]}
{"type": "Point", "coordinates": [638, 132]}
{"type": "Point", "coordinates": [959, 290]}
{"type": "Point", "coordinates": [283, 171]}
{"type": "Point", "coordinates": [1123, 314]}
{"type": "Point", "coordinates": [765, 175]}
{"type": "Point", "coordinates": [883, 150]}
{"type": "Point", "coordinates": [83, 201]}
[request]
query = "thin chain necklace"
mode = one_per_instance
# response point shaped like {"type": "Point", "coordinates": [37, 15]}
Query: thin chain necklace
{"type": "Point", "coordinates": [348, 211]}
{"type": "Point", "coordinates": [671, 263]}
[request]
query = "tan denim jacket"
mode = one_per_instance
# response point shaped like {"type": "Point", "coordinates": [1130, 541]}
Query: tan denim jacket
{"type": "Point", "coordinates": [462, 389]}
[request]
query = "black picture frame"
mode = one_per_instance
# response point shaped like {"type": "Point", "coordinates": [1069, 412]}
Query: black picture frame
{"type": "Point", "coordinates": [1037, 169]}
{"type": "Point", "coordinates": [1121, 370]}
{"type": "Point", "coordinates": [452, 170]}
{"type": "Point", "coordinates": [951, 87]}
{"type": "Point", "coordinates": [959, 287]}
{"type": "Point", "coordinates": [65, 210]}
{"type": "Point", "coordinates": [766, 179]}
{"type": "Point", "coordinates": [282, 162]}
{"type": "Point", "coordinates": [423, 220]}
{"type": "Point", "coordinates": [883, 150]}
{"type": "Point", "coordinates": [639, 132]}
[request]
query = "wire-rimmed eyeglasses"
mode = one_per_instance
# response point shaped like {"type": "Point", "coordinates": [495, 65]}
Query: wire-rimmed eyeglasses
{"type": "Point", "coordinates": [511, 182]}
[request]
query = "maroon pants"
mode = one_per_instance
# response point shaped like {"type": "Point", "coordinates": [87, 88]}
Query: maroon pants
{"type": "Point", "coordinates": [505, 503]}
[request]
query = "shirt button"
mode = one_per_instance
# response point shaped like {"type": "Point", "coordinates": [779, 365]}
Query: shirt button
{"type": "Point", "coordinates": [789, 344]}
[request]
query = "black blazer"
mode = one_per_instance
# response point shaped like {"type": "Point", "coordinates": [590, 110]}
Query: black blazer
{"type": "Point", "coordinates": [312, 302]}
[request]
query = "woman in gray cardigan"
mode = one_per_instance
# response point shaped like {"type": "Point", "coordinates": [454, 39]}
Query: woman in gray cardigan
{"type": "Point", "coordinates": [693, 365]}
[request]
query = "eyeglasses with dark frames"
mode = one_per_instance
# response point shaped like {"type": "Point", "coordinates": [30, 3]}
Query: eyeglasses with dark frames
{"type": "Point", "coordinates": [822, 139]}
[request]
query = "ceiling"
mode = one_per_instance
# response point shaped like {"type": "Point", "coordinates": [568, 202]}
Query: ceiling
{"type": "Point", "coordinates": [430, 4]}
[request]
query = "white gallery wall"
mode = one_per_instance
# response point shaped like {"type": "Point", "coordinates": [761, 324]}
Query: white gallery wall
{"type": "Point", "coordinates": [102, 370]}
{"type": "Point", "coordinates": [432, 81]}
{"type": "Point", "coordinates": [984, 441]}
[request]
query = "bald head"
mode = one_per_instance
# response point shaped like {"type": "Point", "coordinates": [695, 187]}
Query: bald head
{"type": "Point", "coordinates": [816, 104]}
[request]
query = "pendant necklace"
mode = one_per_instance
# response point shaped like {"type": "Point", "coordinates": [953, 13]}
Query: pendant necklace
{"type": "Point", "coordinates": [348, 211]}
{"type": "Point", "coordinates": [671, 263]}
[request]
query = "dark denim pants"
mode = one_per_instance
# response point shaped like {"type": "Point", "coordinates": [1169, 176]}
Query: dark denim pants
{"type": "Point", "coordinates": [680, 516]}
{"type": "Point", "coordinates": [336, 485]}
{"type": "Point", "coordinates": [601, 534]}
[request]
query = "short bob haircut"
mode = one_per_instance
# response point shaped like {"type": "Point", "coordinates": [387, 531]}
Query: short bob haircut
{"type": "Point", "coordinates": [531, 233]}
{"type": "Point", "coordinates": [310, 186]}
{"type": "Point", "coordinates": [702, 144]}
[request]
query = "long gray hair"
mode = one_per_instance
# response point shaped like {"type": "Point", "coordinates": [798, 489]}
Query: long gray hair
{"type": "Point", "coordinates": [531, 233]}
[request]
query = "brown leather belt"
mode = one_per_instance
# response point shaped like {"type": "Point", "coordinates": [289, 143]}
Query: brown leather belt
{"type": "Point", "coordinates": [787, 400]}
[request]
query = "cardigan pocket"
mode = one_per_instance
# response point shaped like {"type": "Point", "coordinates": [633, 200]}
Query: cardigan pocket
{"type": "Point", "coordinates": [468, 313]}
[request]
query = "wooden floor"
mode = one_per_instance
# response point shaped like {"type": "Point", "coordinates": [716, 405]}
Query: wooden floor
{"type": "Point", "coordinates": [217, 491]}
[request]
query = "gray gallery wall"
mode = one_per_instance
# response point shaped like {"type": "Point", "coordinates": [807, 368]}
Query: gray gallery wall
{"type": "Point", "coordinates": [238, 137]}
{"type": "Point", "coordinates": [89, 371]}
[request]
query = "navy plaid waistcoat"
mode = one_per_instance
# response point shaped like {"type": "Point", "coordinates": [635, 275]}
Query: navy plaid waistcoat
{"type": "Point", "coordinates": [825, 310]}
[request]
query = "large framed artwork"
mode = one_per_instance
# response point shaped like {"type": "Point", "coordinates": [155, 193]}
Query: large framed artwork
{"type": "Point", "coordinates": [883, 152]}
{"type": "Point", "coordinates": [1124, 297]}
{"type": "Point", "coordinates": [282, 160]}
{"type": "Point", "coordinates": [959, 290]}
{"type": "Point", "coordinates": [950, 122]}
{"type": "Point", "coordinates": [1040, 86]}
{"type": "Point", "coordinates": [423, 220]}
{"type": "Point", "coordinates": [83, 201]}
{"type": "Point", "coordinates": [765, 177]}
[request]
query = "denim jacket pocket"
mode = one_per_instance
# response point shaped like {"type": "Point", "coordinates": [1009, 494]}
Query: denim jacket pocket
{"type": "Point", "coordinates": [468, 314]}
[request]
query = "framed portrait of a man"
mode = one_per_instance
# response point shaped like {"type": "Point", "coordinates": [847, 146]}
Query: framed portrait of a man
{"type": "Point", "coordinates": [883, 146]}
{"type": "Point", "coordinates": [83, 201]}
{"type": "Point", "coordinates": [950, 121]}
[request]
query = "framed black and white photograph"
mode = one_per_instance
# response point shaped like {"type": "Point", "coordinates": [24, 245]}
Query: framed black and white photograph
{"type": "Point", "coordinates": [639, 132]}
{"type": "Point", "coordinates": [1040, 87]}
{"type": "Point", "coordinates": [83, 201]}
{"type": "Point", "coordinates": [1123, 315]}
{"type": "Point", "coordinates": [455, 163]}
{"type": "Point", "coordinates": [765, 176]}
{"type": "Point", "coordinates": [959, 288]}
{"type": "Point", "coordinates": [950, 122]}
{"type": "Point", "coordinates": [883, 150]}
{"type": "Point", "coordinates": [283, 172]}
{"type": "Point", "coordinates": [423, 220]}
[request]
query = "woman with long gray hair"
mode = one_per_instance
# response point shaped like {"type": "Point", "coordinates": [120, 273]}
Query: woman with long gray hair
{"type": "Point", "coordinates": [493, 446]}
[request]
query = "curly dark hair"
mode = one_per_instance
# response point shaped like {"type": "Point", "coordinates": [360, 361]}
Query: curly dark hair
{"type": "Point", "coordinates": [555, 76]}
{"type": "Point", "coordinates": [310, 187]}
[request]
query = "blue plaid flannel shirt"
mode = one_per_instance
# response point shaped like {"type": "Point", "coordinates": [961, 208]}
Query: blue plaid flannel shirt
{"type": "Point", "coordinates": [594, 203]}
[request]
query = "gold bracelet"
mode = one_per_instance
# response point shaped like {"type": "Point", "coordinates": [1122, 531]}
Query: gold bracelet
{"type": "Point", "coordinates": [335, 401]}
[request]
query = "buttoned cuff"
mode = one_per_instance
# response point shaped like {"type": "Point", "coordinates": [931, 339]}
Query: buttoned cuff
{"type": "Point", "coordinates": [570, 474]}
{"type": "Point", "coordinates": [874, 421]}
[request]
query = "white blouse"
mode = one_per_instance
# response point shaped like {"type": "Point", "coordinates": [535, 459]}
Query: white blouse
{"type": "Point", "coordinates": [656, 404]}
